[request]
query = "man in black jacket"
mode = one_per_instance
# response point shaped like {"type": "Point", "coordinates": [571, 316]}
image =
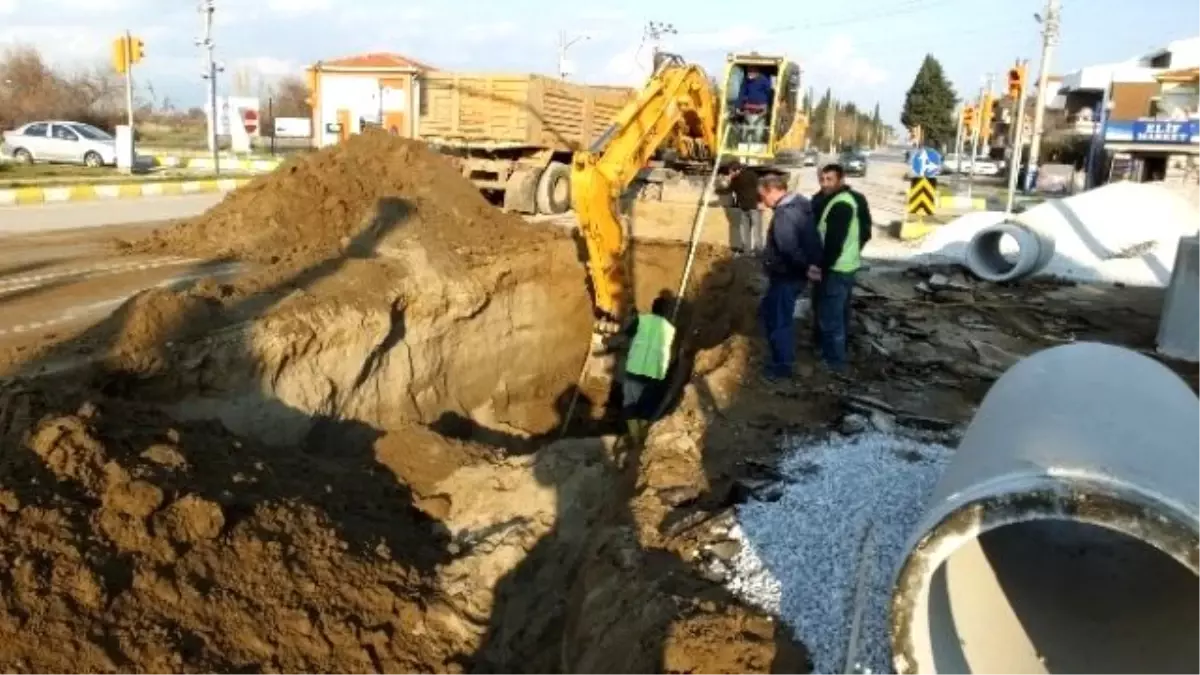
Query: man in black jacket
{"type": "Point", "coordinates": [833, 180]}
{"type": "Point", "coordinates": [792, 257]}
{"type": "Point", "coordinates": [840, 226]}
{"type": "Point", "coordinates": [743, 184]}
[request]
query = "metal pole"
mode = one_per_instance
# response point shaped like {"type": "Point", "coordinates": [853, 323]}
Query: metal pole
{"type": "Point", "coordinates": [975, 137]}
{"type": "Point", "coordinates": [211, 73]}
{"type": "Point", "coordinates": [698, 225]}
{"type": "Point", "coordinates": [958, 139]}
{"type": "Point", "coordinates": [1049, 40]}
{"type": "Point", "coordinates": [1017, 145]}
{"type": "Point", "coordinates": [129, 79]}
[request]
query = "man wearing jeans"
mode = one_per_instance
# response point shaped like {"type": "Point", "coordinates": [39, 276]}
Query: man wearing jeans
{"type": "Point", "coordinates": [792, 257]}
{"type": "Point", "coordinates": [743, 183]}
{"type": "Point", "coordinates": [840, 226]}
{"type": "Point", "coordinates": [833, 180]}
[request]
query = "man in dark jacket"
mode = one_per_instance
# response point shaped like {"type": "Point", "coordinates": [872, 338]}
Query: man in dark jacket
{"type": "Point", "coordinates": [840, 226]}
{"type": "Point", "coordinates": [743, 184]}
{"type": "Point", "coordinates": [792, 257]}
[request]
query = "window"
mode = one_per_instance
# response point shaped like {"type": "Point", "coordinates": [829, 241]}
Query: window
{"type": "Point", "coordinates": [91, 133]}
{"type": "Point", "coordinates": [62, 133]}
{"type": "Point", "coordinates": [36, 129]}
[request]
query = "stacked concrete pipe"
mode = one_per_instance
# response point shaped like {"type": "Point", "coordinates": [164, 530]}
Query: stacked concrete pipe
{"type": "Point", "coordinates": [986, 259]}
{"type": "Point", "coordinates": [1063, 536]}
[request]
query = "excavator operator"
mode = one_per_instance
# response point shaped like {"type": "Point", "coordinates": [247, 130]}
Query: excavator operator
{"type": "Point", "coordinates": [753, 103]}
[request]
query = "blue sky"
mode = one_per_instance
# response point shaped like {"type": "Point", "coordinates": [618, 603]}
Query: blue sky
{"type": "Point", "coordinates": [866, 51]}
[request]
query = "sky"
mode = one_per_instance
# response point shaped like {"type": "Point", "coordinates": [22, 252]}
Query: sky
{"type": "Point", "coordinates": [867, 51]}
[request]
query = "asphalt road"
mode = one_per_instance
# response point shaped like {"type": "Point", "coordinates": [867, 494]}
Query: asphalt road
{"type": "Point", "coordinates": [73, 215]}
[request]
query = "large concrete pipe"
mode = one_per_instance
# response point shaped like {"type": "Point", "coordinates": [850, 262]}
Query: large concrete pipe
{"type": "Point", "coordinates": [985, 255]}
{"type": "Point", "coordinates": [1063, 536]}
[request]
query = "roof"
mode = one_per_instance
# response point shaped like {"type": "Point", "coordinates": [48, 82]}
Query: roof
{"type": "Point", "coordinates": [1183, 75]}
{"type": "Point", "coordinates": [376, 61]}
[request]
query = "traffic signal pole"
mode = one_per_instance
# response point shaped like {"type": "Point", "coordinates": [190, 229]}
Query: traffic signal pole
{"type": "Point", "coordinates": [983, 96]}
{"type": "Point", "coordinates": [958, 145]}
{"type": "Point", "coordinates": [1017, 91]}
{"type": "Point", "coordinates": [129, 78]}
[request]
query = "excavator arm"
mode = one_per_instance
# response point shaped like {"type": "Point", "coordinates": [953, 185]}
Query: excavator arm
{"type": "Point", "coordinates": [677, 105]}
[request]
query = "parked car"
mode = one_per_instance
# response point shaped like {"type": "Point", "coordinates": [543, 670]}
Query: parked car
{"type": "Point", "coordinates": [60, 142]}
{"type": "Point", "coordinates": [811, 158]}
{"type": "Point", "coordinates": [855, 163]}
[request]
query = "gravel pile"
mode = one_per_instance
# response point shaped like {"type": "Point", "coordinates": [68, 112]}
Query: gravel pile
{"type": "Point", "coordinates": [809, 557]}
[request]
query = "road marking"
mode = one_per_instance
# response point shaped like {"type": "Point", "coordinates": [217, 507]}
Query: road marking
{"type": "Point", "coordinates": [23, 282]}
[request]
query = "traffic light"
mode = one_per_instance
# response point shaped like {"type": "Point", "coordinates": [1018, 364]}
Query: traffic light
{"type": "Point", "coordinates": [969, 118]}
{"type": "Point", "coordinates": [986, 112]}
{"type": "Point", "coordinates": [137, 49]}
{"type": "Point", "coordinates": [1016, 80]}
{"type": "Point", "coordinates": [120, 55]}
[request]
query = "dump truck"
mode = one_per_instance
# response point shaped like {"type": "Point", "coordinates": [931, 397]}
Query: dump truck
{"type": "Point", "coordinates": [513, 135]}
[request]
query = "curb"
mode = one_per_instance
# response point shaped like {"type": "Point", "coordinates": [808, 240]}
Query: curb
{"type": "Point", "coordinates": [177, 162]}
{"type": "Point", "coordinates": [959, 203]}
{"type": "Point", "coordinates": [89, 192]}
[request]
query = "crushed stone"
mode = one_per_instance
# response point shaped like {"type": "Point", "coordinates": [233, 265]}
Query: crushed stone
{"type": "Point", "coordinates": [801, 555]}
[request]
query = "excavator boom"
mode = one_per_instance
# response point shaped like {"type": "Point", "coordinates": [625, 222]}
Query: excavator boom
{"type": "Point", "coordinates": [677, 109]}
{"type": "Point", "coordinates": [678, 103]}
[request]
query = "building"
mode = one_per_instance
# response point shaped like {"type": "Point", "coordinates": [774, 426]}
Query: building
{"type": "Point", "coordinates": [1125, 89]}
{"type": "Point", "coordinates": [376, 89]}
{"type": "Point", "coordinates": [1163, 143]}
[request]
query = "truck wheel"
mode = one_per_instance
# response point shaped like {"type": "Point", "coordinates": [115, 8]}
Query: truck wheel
{"type": "Point", "coordinates": [554, 189]}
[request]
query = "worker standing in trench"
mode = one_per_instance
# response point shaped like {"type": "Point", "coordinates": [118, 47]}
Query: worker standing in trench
{"type": "Point", "coordinates": [791, 258]}
{"type": "Point", "coordinates": [646, 367]}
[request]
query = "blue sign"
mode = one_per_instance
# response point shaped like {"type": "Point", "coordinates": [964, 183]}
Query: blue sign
{"type": "Point", "coordinates": [1165, 131]}
{"type": "Point", "coordinates": [926, 163]}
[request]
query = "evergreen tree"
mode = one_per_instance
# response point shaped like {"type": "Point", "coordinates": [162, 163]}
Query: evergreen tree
{"type": "Point", "coordinates": [876, 126]}
{"type": "Point", "coordinates": [930, 103]}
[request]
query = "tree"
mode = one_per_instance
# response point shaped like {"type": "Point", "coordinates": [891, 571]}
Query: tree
{"type": "Point", "coordinates": [876, 126]}
{"type": "Point", "coordinates": [819, 127]}
{"type": "Point", "coordinates": [930, 103]}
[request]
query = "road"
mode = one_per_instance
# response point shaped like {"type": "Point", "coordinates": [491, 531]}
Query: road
{"type": "Point", "coordinates": [60, 270]}
{"type": "Point", "coordinates": [71, 215]}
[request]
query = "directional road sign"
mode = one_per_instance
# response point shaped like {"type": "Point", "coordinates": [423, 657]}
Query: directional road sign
{"type": "Point", "coordinates": [922, 196]}
{"type": "Point", "coordinates": [926, 162]}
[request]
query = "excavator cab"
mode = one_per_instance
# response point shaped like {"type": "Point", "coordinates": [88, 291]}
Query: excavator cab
{"type": "Point", "coordinates": [760, 99]}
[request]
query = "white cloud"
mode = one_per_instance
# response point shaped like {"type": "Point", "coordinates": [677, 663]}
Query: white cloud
{"type": "Point", "coordinates": [484, 32]}
{"type": "Point", "coordinates": [841, 64]}
{"type": "Point", "coordinates": [269, 67]}
{"type": "Point", "coordinates": [630, 66]}
{"type": "Point", "coordinates": [8, 6]}
{"type": "Point", "coordinates": [295, 7]}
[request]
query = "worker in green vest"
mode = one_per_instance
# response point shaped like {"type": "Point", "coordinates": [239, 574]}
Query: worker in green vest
{"type": "Point", "coordinates": [839, 224]}
{"type": "Point", "coordinates": [646, 366]}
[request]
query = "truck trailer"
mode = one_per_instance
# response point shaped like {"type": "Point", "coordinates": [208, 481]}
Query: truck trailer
{"type": "Point", "coordinates": [513, 134]}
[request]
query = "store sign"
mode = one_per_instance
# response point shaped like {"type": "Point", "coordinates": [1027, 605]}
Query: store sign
{"type": "Point", "coordinates": [1165, 131]}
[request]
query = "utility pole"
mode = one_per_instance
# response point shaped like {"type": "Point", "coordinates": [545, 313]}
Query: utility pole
{"type": "Point", "coordinates": [563, 45]}
{"type": "Point", "coordinates": [984, 94]}
{"type": "Point", "coordinates": [655, 30]}
{"type": "Point", "coordinates": [1050, 28]}
{"type": "Point", "coordinates": [129, 78]}
{"type": "Point", "coordinates": [958, 147]}
{"type": "Point", "coordinates": [207, 7]}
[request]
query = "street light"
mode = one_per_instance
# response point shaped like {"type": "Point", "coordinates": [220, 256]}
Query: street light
{"type": "Point", "coordinates": [563, 45]}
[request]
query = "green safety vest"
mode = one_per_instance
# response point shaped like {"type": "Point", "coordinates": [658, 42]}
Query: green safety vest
{"type": "Point", "coordinates": [650, 353]}
{"type": "Point", "coordinates": [848, 261]}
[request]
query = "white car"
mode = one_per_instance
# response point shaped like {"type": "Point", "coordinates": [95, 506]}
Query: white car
{"type": "Point", "coordinates": [60, 142]}
{"type": "Point", "coordinates": [952, 163]}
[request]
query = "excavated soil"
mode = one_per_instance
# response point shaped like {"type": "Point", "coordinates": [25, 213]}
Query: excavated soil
{"type": "Point", "coordinates": [349, 457]}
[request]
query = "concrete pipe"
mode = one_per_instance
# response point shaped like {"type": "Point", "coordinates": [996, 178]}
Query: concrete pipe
{"type": "Point", "coordinates": [1063, 536]}
{"type": "Point", "coordinates": [987, 260]}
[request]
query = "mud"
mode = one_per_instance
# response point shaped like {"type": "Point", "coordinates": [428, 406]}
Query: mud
{"type": "Point", "coordinates": [347, 458]}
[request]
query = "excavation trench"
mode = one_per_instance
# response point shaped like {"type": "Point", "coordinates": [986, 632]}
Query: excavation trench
{"type": "Point", "coordinates": [349, 459]}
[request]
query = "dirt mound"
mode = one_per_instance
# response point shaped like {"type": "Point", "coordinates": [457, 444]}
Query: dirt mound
{"type": "Point", "coordinates": [318, 203]}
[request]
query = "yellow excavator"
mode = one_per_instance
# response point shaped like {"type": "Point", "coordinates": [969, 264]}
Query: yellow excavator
{"type": "Point", "coordinates": [678, 114]}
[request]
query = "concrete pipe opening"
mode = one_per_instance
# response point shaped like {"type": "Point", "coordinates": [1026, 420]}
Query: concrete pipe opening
{"type": "Point", "coordinates": [1063, 537]}
{"type": "Point", "coordinates": [1008, 251]}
